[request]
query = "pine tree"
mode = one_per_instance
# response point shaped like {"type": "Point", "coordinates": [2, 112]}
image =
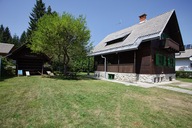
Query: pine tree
{"type": "Point", "coordinates": [38, 11]}
{"type": "Point", "coordinates": [1, 33]}
{"type": "Point", "coordinates": [23, 38]}
{"type": "Point", "coordinates": [15, 40]}
{"type": "Point", "coordinates": [7, 36]}
{"type": "Point", "coordinates": [49, 10]}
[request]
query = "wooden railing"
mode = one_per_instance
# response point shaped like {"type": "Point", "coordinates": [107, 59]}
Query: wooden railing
{"type": "Point", "coordinates": [100, 68]}
{"type": "Point", "coordinates": [122, 68]}
{"type": "Point", "coordinates": [126, 68]}
{"type": "Point", "coordinates": [171, 44]}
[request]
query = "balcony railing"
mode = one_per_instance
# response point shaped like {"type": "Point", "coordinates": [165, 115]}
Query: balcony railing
{"type": "Point", "coordinates": [171, 45]}
{"type": "Point", "coordinates": [100, 67]}
{"type": "Point", "coordinates": [122, 68]}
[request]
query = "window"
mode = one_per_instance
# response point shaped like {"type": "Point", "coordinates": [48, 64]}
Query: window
{"type": "Point", "coordinates": [118, 39]}
{"type": "Point", "coordinates": [161, 60]}
{"type": "Point", "coordinates": [170, 62]}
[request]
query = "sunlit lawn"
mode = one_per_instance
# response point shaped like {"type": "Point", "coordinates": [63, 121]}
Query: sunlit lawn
{"type": "Point", "coordinates": [185, 79]}
{"type": "Point", "coordinates": [33, 102]}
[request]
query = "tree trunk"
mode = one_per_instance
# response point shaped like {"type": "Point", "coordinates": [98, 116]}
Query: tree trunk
{"type": "Point", "coordinates": [65, 69]}
{"type": "Point", "coordinates": [65, 61]}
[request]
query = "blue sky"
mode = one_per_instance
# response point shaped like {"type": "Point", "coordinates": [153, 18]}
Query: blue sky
{"type": "Point", "coordinates": [103, 16]}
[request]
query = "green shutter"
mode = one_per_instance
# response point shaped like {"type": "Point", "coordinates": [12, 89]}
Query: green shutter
{"type": "Point", "coordinates": [164, 61]}
{"type": "Point", "coordinates": [169, 62]}
{"type": "Point", "coordinates": [157, 59]}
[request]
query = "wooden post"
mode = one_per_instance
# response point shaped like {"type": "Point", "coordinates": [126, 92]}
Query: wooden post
{"type": "Point", "coordinates": [118, 61]}
{"type": "Point", "coordinates": [0, 67]}
{"type": "Point", "coordinates": [134, 67]}
{"type": "Point", "coordinates": [88, 66]}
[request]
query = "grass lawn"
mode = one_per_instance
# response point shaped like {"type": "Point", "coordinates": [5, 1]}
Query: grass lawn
{"type": "Point", "coordinates": [33, 102]}
{"type": "Point", "coordinates": [185, 80]}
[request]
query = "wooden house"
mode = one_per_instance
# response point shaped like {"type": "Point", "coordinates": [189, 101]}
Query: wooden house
{"type": "Point", "coordinates": [26, 60]}
{"type": "Point", "coordinates": [144, 52]}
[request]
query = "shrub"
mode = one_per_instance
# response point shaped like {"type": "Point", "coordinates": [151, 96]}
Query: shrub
{"type": "Point", "coordinates": [184, 74]}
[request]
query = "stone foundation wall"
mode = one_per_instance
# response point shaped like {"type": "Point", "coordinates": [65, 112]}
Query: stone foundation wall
{"type": "Point", "coordinates": [133, 77]}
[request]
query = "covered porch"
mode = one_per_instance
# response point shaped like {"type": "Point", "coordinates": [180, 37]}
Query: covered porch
{"type": "Point", "coordinates": [123, 62]}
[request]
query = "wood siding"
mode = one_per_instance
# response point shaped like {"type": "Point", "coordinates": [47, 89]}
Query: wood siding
{"type": "Point", "coordinates": [26, 60]}
{"type": "Point", "coordinates": [155, 48]}
{"type": "Point", "coordinates": [143, 59]}
{"type": "Point", "coordinates": [122, 68]}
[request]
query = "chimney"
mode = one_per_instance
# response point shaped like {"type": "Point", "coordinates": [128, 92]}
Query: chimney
{"type": "Point", "coordinates": [142, 18]}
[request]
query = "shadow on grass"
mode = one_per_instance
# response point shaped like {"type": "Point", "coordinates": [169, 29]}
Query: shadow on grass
{"type": "Point", "coordinates": [3, 78]}
{"type": "Point", "coordinates": [77, 77]}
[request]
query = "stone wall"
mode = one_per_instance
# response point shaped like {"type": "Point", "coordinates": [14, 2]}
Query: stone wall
{"type": "Point", "coordinates": [133, 77]}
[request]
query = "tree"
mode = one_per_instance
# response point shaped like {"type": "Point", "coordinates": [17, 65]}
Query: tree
{"type": "Point", "coordinates": [15, 40]}
{"type": "Point", "coordinates": [60, 37]}
{"type": "Point", "coordinates": [49, 10]}
{"type": "Point", "coordinates": [80, 61]}
{"type": "Point", "coordinates": [7, 36]}
{"type": "Point", "coordinates": [23, 38]}
{"type": "Point", "coordinates": [1, 33]}
{"type": "Point", "coordinates": [38, 11]}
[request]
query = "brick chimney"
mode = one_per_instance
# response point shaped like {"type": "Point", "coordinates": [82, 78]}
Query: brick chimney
{"type": "Point", "coordinates": [142, 18]}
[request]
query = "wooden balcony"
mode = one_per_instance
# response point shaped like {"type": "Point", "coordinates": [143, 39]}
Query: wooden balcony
{"type": "Point", "coordinates": [171, 45]}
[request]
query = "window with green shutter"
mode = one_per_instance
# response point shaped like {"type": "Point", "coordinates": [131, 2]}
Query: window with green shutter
{"type": "Point", "coordinates": [160, 60]}
{"type": "Point", "coordinates": [157, 58]}
{"type": "Point", "coordinates": [164, 61]}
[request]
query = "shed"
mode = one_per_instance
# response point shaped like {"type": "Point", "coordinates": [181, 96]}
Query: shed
{"type": "Point", "coordinates": [26, 60]}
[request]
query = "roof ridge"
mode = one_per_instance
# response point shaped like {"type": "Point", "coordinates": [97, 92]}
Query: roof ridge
{"type": "Point", "coordinates": [171, 11]}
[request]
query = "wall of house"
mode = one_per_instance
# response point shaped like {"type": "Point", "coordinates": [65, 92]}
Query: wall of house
{"type": "Point", "coordinates": [143, 58]}
{"type": "Point", "coordinates": [164, 67]}
{"type": "Point", "coordinates": [183, 64]}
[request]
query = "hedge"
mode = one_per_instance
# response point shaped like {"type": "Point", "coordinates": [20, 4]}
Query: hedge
{"type": "Point", "coordinates": [184, 74]}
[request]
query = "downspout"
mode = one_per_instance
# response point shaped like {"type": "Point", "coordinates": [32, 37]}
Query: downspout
{"type": "Point", "coordinates": [105, 64]}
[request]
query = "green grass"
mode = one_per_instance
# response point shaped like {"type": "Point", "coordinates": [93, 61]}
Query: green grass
{"type": "Point", "coordinates": [185, 80]}
{"type": "Point", "coordinates": [33, 102]}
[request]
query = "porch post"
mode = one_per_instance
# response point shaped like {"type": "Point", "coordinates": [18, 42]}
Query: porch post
{"type": "Point", "coordinates": [88, 65]}
{"type": "Point", "coordinates": [118, 61]}
{"type": "Point", "coordinates": [134, 66]}
{"type": "Point", "coordinates": [0, 67]}
{"type": "Point", "coordinates": [105, 64]}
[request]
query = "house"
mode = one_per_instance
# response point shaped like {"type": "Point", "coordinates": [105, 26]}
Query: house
{"type": "Point", "coordinates": [26, 60]}
{"type": "Point", "coordinates": [183, 60]}
{"type": "Point", "coordinates": [5, 48]}
{"type": "Point", "coordinates": [144, 52]}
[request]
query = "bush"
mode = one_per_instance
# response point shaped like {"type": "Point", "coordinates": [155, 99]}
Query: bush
{"type": "Point", "coordinates": [184, 74]}
{"type": "Point", "coordinates": [8, 67]}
